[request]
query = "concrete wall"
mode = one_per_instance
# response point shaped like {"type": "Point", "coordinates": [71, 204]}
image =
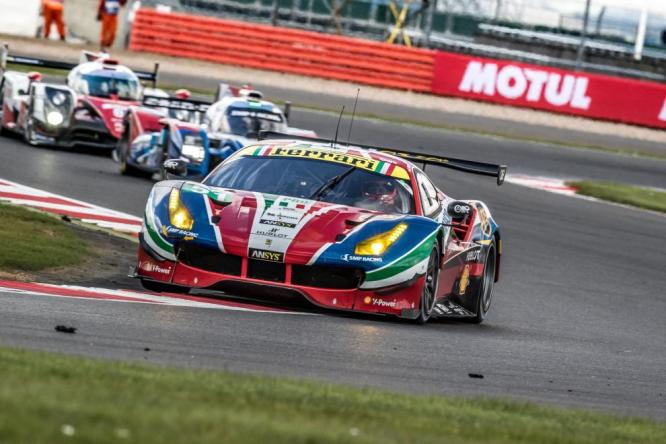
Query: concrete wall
{"type": "Point", "coordinates": [80, 17]}
{"type": "Point", "coordinates": [20, 18]}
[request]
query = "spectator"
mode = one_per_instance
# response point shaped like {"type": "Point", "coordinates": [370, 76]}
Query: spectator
{"type": "Point", "coordinates": [107, 13]}
{"type": "Point", "coordinates": [53, 14]}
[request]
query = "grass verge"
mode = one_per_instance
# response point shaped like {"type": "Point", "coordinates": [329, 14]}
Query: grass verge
{"type": "Point", "coordinates": [625, 194]}
{"type": "Point", "coordinates": [54, 398]}
{"type": "Point", "coordinates": [31, 241]}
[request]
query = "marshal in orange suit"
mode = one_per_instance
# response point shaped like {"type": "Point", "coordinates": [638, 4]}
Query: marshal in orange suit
{"type": "Point", "coordinates": [107, 13]}
{"type": "Point", "coordinates": [53, 15]}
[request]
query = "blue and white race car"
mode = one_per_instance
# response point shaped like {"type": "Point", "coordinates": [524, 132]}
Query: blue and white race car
{"type": "Point", "coordinates": [200, 133]}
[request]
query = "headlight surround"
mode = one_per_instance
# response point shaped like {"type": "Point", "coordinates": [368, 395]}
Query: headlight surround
{"type": "Point", "coordinates": [54, 118]}
{"type": "Point", "coordinates": [179, 216]}
{"type": "Point", "coordinates": [377, 245]}
{"type": "Point", "coordinates": [194, 152]}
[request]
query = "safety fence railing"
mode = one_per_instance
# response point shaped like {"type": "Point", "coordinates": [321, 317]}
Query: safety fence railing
{"type": "Point", "coordinates": [368, 62]}
{"type": "Point", "coordinates": [283, 49]}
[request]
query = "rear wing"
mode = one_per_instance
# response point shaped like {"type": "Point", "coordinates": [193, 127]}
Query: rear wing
{"type": "Point", "coordinates": [5, 58]}
{"type": "Point", "coordinates": [467, 166]}
{"type": "Point", "coordinates": [174, 103]}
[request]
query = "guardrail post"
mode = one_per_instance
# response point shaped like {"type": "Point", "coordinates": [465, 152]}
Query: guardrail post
{"type": "Point", "coordinates": [274, 14]}
{"type": "Point", "coordinates": [428, 24]}
{"type": "Point", "coordinates": [583, 36]}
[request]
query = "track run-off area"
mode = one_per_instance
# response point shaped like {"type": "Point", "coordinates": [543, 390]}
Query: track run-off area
{"type": "Point", "coordinates": [577, 316]}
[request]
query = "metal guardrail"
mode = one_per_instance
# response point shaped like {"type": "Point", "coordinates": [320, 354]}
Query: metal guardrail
{"type": "Point", "coordinates": [568, 41]}
{"type": "Point", "coordinates": [479, 49]}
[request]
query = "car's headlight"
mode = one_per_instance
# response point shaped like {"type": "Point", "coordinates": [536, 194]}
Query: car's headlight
{"type": "Point", "coordinates": [54, 118]}
{"type": "Point", "coordinates": [194, 152]}
{"type": "Point", "coordinates": [58, 98]}
{"type": "Point", "coordinates": [178, 214]}
{"type": "Point", "coordinates": [377, 245]}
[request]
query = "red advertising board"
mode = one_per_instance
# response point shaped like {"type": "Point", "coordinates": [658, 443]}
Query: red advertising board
{"type": "Point", "coordinates": [550, 89]}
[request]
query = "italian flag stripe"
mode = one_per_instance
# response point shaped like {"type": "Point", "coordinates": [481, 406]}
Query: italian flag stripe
{"type": "Point", "coordinates": [379, 166]}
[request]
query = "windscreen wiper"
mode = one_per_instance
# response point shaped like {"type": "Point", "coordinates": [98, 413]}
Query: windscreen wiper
{"type": "Point", "coordinates": [329, 184]}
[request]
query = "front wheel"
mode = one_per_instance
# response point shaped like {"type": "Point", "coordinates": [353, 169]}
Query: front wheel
{"type": "Point", "coordinates": [429, 292]}
{"type": "Point", "coordinates": [29, 134]}
{"type": "Point", "coordinates": [122, 153]}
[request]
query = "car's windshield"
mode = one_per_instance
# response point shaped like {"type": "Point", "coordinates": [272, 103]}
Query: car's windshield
{"type": "Point", "coordinates": [108, 87]}
{"type": "Point", "coordinates": [305, 178]}
{"type": "Point", "coordinates": [248, 121]}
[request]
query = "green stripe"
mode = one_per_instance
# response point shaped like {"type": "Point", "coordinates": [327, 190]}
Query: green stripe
{"type": "Point", "coordinates": [379, 166]}
{"type": "Point", "coordinates": [405, 262]}
{"type": "Point", "coordinates": [157, 238]}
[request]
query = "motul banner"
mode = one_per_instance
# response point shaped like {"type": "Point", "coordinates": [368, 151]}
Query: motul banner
{"type": "Point", "coordinates": [550, 89]}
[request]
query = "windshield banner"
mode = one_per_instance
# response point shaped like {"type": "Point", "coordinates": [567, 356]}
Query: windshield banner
{"type": "Point", "coordinates": [337, 156]}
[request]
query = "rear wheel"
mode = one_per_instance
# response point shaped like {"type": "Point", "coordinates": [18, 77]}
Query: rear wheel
{"type": "Point", "coordinates": [162, 287]}
{"type": "Point", "coordinates": [485, 291]}
{"type": "Point", "coordinates": [429, 292]}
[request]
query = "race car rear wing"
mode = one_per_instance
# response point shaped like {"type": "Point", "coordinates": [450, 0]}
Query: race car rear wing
{"type": "Point", "coordinates": [5, 58]}
{"type": "Point", "coordinates": [467, 166]}
{"type": "Point", "coordinates": [174, 103]}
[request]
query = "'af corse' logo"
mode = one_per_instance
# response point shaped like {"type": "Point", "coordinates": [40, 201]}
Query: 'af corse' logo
{"type": "Point", "coordinates": [514, 82]}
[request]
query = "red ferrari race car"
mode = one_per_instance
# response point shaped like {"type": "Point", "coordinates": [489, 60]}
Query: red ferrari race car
{"type": "Point", "coordinates": [86, 111]}
{"type": "Point", "coordinates": [353, 228]}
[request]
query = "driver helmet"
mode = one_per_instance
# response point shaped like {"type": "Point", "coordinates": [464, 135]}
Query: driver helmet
{"type": "Point", "coordinates": [380, 192]}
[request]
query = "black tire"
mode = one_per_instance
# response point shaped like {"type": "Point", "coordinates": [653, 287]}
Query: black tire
{"type": "Point", "coordinates": [429, 292]}
{"type": "Point", "coordinates": [161, 287]}
{"type": "Point", "coordinates": [485, 290]}
{"type": "Point", "coordinates": [28, 135]}
{"type": "Point", "coordinates": [122, 149]}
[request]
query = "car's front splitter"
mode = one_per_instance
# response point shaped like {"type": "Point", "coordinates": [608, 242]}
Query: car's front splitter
{"type": "Point", "coordinates": [402, 301]}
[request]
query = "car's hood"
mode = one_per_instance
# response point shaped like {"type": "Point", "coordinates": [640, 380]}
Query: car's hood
{"type": "Point", "coordinates": [269, 227]}
{"type": "Point", "coordinates": [111, 111]}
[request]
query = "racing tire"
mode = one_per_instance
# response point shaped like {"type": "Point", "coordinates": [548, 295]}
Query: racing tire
{"type": "Point", "coordinates": [29, 134]}
{"type": "Point", "coordinates": [429, 292]}
{"type": "Point", "coordinates": [484, 292]}
{"type": "Point", "coordinates": [122, 148]}
{"type": "Point", "coordinates": [162, 287]}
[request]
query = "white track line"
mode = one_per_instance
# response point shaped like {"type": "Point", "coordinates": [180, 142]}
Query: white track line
{"type": "Point", "coordinates": [104, 217]}
{"type": "Point", "coordinates": [131, 296]}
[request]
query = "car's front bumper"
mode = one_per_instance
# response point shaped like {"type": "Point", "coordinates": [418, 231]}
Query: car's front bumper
{"type": "Point", "coordinates": [80, 133]}
{"type": "Point", "coordinates": [402, 300]}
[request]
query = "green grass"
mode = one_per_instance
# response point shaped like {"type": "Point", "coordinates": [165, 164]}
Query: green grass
{"type": "Point", "coordinates": [40, 69]}
{"type": "Point", "coordinates": [31, 241]}
{"type": "Point", "coordinates": [43, 395]}
{"type": "Point", "coordinates": [624, 194]}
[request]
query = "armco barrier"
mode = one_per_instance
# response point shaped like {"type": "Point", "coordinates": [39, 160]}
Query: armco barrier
{"type": "Point", "coordinates": [550, 89]}
{"type": "Point", "coordinates": [281, 49]}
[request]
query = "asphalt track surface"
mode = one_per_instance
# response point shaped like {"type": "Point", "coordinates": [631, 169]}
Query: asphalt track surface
{"type": "Point", "coordinates": [577, 317]}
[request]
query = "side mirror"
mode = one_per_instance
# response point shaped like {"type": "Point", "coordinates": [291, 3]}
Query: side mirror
{"type": "Point", "coordinates": [287, 110]}
{"type": "Point", "coordinates": [175, 167]}
{"type": "Point", "coordinates": [459, 210]}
